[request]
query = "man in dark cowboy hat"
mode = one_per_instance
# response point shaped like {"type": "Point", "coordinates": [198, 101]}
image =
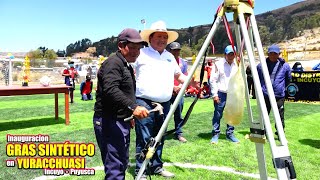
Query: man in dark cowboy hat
{"type": "Point", "coordinates": [115, 100]}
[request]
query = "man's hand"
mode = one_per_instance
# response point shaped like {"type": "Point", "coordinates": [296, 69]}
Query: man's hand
{"type": "Point", "coordinates": [176, 90]}
{"type": "Point", "coordinates": [140, 112]}
{"type": "Point", "coordinates": [216, 99]}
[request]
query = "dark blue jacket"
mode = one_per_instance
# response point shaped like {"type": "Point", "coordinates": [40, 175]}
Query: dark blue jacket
{"type": "Point", "coordinates": [281, 80]}
{"type": "Point", "coordinates": [115, 96]}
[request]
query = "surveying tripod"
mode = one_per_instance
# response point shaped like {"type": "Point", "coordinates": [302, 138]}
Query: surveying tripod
{"type": "Point", "coordinates": [280, 153]}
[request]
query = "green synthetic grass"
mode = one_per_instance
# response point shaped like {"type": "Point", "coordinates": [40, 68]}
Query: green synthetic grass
{"type": "Point", "coordinates": [35, 115]}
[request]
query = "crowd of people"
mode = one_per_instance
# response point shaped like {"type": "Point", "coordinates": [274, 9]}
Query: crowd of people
{"type": "Point", "coordinates": [146, 70]}
{"type": "Point", "coordinates": [70, 74]}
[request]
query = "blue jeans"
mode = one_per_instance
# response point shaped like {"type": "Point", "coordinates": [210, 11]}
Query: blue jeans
{"type": "Point", "coordinates": [113, 138]}
{"type": "Point", "coordinates": [178, 120]}
{"type": "Point", "coordinates": [147, 128]}
{"type": "Point", "coordinates": [217, 115]}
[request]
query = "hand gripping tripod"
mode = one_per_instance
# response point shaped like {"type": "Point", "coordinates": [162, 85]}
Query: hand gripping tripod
{"type": "Point", "coordinates": [280, 153]}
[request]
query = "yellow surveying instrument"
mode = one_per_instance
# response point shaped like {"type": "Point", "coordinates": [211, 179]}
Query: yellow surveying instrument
{"type": "Point", "coordinates": [261, 128]}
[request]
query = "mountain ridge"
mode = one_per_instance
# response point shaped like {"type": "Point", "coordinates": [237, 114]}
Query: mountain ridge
{"type": "Point", "coordinates": [293, 27]}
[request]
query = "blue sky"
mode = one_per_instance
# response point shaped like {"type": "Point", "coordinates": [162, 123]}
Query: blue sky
{"type": "Point", "coordinates": [29, 24]}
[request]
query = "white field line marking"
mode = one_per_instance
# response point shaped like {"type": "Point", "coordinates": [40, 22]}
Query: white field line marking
{"type": "Point", "coordinates": [215, 168]}
{"type": "Point", "coordinates": [183, 165]}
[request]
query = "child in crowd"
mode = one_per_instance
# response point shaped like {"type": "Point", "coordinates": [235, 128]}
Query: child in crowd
{"type": "Point", "coordinates": [191, 91]}
{"type": "Point", "coordinates": [70, 73]}
{"type": "Point", "coordinates": [205, 91]}
{"type": "Point", "coordinates": [86, 89]}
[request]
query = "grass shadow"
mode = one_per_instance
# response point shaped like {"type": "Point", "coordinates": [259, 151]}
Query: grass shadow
{"type": "Point", "coordinates": [131, 170]}
{"type": "Point", "coordinates": [243, 132]}
{"type": "Point", "coordinates": [209, 135]}
{"type": "Point", "coordinates": [311, 142]}
{"type": "Point", "coordinates": [30, 123]}
{"type": "Point", "coordinates": [205, 135]}
{"type": "Point", "coordinates": [170, 137]}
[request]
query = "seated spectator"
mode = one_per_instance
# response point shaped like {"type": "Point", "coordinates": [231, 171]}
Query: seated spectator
{"type": "Point", "coordinates": [86, 89]}
{"type": "Point", "coordinates": [297, 67]}
{"type": "Point", "coordinates": [191, 91]}
{"type": "Point", "coordinates": [205, 91]}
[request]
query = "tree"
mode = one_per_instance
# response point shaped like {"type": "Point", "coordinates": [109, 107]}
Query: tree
{"type": "Point", "coordinates": [311, 22]}
{"type": "Point", "coordinates": [78, 46]}
{"type": "Point", "coordinates": [199, 44]}
{"type": "Point", "coordinates": [85, 44]}
{"type": "Point", "coordinates": [50, 56]}
{"type": "Point", "coordinates": [43, 49]}
{"type": "Point", "coordinates": [70, 49]}
{"type": "Point", "coordinates": [36, 58]}
{"type": "Point", "coordinates": [186, 51]}
{"type": "Point", "coordinates": [270, 22]}
{"type": "Point", "coordinates": [61, 53]}
{"type": "Point", "coordinates": [278, 34]}
{"type": "Point", "coordinates": [264, 35]}
{"type": "Point", "coordinates": [37, 54]}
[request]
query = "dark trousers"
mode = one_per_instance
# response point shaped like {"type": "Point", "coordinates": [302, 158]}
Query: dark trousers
{"type": "Point", "coordinates": [280, 104]}
{"type": "Point", "coordinates": [70, 82]}
{"type": "Point", "coordinates": [178, 120]}
{"type": "Point", "coordinates": [113, 138]}
{"type": "Point", "coordinates": [147, 128]}
{"type": "Point", "coordinates": [217, 115]}
{"type": "Point", "coordinates": [251, 86]}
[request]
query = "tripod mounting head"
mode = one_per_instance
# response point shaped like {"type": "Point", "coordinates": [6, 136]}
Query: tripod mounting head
{"type": "Point", "coordinates": [232, 5]}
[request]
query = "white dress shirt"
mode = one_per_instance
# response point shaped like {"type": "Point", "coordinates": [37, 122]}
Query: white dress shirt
{"type": "Point", "coordinates": [220, 77]}
{"type": "Point", "coordinates": [155, 74]}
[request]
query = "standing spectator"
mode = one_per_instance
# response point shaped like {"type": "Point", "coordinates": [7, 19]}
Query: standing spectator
{"type": "Point", "coordinates": [250, 82]}
{"type": "Point", "coordinates": [89, 71]}
{"type": "Point", "coordinates": [280, 75]}
{"type": "Point", "coordinates": [208, 69]}
{"type": "Point", "coordinates": [174, 49]}
{"type": "Point", "coordinates": [115, 100]}
{"type": "Point", "coordinates": [220, 78]}
{"type": "Point", "coordinates": [156, 69]}
{"type": "Point", "coordinates": [86, 89]}
{"type": "Point", "coordinates": [70, 73]}
{"type": "Point", "coordinates": [77, 67]}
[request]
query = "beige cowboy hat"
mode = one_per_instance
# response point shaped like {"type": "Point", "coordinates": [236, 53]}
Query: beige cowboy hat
{"type": "Point", "coordinates": [159, 26]}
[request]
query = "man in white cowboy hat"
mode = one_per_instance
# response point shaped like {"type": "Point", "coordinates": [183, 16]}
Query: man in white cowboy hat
{"type": "Point", "coordinates": [156, 69]}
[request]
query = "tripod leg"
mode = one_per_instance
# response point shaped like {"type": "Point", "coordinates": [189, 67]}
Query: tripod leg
{"type": "Point", "coordinates": [281, 156]}
{"type": "Point", "coordinates": [269, 88]}
{"type": "Point", "coordinates": [254, 136]}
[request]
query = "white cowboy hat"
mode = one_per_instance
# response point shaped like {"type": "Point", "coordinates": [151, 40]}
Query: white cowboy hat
{"type": "Point", "coordinates": [159, 26]}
